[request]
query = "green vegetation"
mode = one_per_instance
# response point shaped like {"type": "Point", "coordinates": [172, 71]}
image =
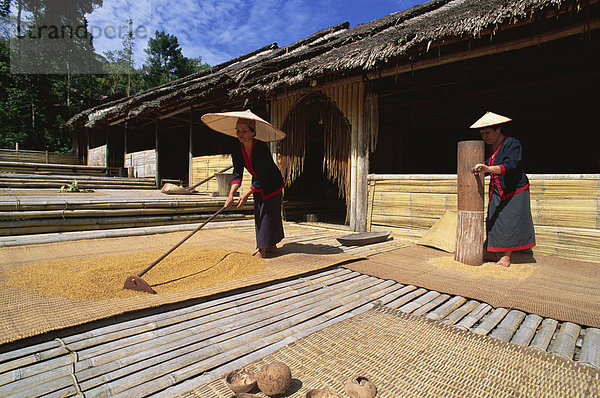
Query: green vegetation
{"type": "Point", "coordinates": [34, 107]}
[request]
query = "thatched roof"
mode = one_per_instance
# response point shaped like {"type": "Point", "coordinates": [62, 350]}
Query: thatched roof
{"type": "Point", "coordinates": [336, 51]}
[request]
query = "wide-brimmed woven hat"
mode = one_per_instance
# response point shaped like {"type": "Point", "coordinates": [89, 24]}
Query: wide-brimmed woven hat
{"type": "Point", "coordinates": [489, 119]}
{"type": "Point", "coordinates": [225, 123]}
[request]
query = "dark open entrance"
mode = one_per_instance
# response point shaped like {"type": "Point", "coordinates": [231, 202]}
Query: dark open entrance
{"type": "Point", "coordinates": [312, 196]}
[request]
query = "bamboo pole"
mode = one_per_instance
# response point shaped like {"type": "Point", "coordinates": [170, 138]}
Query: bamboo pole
{"type": "Point", "coordinates": [527, 330]}
{"type": "Point", "coordinates": [412, 294]}
{"type": "Point", "coordinates": [444, 310]}
{"type": "Point", "coordinates": [490, 321]}
{"type": "Point", "coordinates": [544, 335]}
{"type": "Point", "coordinates": [460, 312]}
{"type": "Point", "coordinates": [419, 302]}
{"type": "Point", "coordinates": [431, 305]}
{"type": "Point", "coordinates": [470, 233]}
{"type": "Point", "coordinates": [474, 316]}
{"type": "Point", "coordinates": [590, 350]}
{"type": "Point", "coordinates": [563, 343]}
{"type": "Point", "coordinates": [509, 325]}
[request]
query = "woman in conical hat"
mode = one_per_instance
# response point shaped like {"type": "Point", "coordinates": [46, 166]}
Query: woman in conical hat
{"type": "Point", "coordinates": [509, 224]}
{"type": "Point", "coordinates": [267, 182]}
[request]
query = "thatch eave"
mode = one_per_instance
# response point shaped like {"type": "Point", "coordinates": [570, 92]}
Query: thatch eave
{"type": "Point", "coordinates": [366, 48]}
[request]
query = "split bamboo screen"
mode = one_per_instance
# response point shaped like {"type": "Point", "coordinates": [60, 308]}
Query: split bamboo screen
{"type": "Point", "coordinates": [565, 209]}
{"type": "Point", "coordinates": [206, 166]}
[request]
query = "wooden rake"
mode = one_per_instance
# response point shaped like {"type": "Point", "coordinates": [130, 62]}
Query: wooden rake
{"type": "Point", "coordinates": [135, 282]}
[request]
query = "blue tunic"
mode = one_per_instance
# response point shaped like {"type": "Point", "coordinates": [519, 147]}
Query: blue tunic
{"type": "Point", "coordinates": [509, 224]}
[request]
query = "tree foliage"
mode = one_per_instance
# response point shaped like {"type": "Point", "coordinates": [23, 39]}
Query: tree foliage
{"type": "Point", "coordinates": [165, 60]}
{"type": "Point", "coordinates": [34, 107]}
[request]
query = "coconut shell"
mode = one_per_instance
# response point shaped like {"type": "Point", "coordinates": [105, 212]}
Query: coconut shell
{"type": "Point", "coordinates": [241, 380]}
{"type": "Point", "coordinates": [360, 387]}
{"type": "Point", "coordinates": [274, 379]}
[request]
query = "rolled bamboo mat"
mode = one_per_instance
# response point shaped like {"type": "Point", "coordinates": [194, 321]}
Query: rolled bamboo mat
{"type": "Point", "coordinates": [409, 356]}
{"type": "Point", "coordinates": [548, 286]}
{"type": "Point", "coordinates": [25, 312]}
{"type": "Point", "coordinates": [442, 235]}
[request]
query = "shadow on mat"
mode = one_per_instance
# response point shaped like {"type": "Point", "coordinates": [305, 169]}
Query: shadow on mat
{"type": "Point", "coordinates": [307, 248]}
{"type": "Point", "coordinates": [525, 257]}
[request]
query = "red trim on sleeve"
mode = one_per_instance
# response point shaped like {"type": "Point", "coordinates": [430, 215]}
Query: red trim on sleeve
{"type": "Point", "coordinates": [514, 248]}
{"type": "Point", "coordinates": [502, 169]}
{"type": "Point", "coordinates": [255, 189]}
{"type": "Point", "coordinates": [236, 182]}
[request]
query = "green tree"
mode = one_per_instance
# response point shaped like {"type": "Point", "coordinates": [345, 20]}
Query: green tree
{"type": "Point", "coordinates": [165, 61]}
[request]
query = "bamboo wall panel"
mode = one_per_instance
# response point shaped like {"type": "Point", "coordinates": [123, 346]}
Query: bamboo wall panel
{"type": "Point", "coordinates": [280, 109]}
{"type": "Point", "coordinates": [11, 155]}
{"type": "Point", "coordinates": [206, 166]}
{"type": "Point", "coordinates": [565, 210]}
{"type": "Point", "coordinates": [143, 163]}
{"type": "Point", "coordinates": [97, 156]}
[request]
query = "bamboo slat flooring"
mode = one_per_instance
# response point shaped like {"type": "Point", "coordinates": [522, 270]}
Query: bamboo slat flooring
{"type": "Point", "coordinates": [175, 351]}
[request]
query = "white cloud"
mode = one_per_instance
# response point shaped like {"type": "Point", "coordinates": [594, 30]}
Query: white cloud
{"type": "Point", "coordinates": [108, 24]}
{"type": "Point", "coordinates": [219, 30]}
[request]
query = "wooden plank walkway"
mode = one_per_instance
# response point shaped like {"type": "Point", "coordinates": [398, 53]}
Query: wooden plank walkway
{"type": "Point", "coordinates": [172, 352]}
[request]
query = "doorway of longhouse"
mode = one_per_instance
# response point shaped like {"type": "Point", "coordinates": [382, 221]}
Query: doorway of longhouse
{"type": "Point", "coordinates": [314, 161]}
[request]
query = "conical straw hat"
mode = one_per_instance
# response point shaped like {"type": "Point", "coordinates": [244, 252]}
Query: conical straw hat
{"type": "Point", "coordinates": [489, 119]}
{"type": "Point", "coordinates": [225, 123]}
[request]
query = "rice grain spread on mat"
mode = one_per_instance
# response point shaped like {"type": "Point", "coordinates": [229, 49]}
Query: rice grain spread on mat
{"type": "Point", "coordinates": [486, 270]}
{"type": "Point", "coordinates": [99, 278]}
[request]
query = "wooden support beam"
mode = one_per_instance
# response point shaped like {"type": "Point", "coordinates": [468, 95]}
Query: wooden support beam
{"type": "Point", "coordinates": [191, 147]}
{"type": "Point", "coordinates": [157, 151]}
{"type": "Point", "coordinates": [470, 233]}
{"type": "Point", "coordinates": [107, 152]}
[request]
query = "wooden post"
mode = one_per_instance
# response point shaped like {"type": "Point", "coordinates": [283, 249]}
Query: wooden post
{"type": "Point", "coordinates": [470, 233]}
{"type": "Point", "coordinates": [362, 192]}
{"type": "Point", "coordinates": [87, 149]}
{"type": "Point", "coordinates": [191, 152]}
{"type": "Point", "coordinates": [107, 152]}
{"type": "Point", "coordinates": [156, 151]}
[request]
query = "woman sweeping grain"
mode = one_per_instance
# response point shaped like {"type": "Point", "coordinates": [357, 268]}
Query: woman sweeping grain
{"type": "Point", "coordinates": [267, 181]}
{"type": "Point", "coordinates": [509, 224]}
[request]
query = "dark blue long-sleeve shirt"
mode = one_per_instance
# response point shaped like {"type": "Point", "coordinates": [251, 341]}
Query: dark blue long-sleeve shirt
{"type": "Point", "coordinates": [266, 177]}
{"type": "Point", "coordinates": [512, 179]}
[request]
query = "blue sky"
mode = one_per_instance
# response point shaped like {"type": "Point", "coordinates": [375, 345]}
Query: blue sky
{"type": "Point", "coordinates": [219, 30]}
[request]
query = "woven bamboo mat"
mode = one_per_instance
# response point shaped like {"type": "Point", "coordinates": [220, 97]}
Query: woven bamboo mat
{"type": "Point", "coordinates": [566, 290]}
{"type": "Point", "coordinates": [25, 313]}
{"type": "Point", "coordinates": [409, 356]}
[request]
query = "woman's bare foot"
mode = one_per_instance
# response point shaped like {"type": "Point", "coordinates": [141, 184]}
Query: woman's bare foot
{"type": "Point", "coordinates": [260, 253]}
{"type": "Point", "coordinates": [504, 260]}
{"type": "Point", "coordinates": [272, 249]}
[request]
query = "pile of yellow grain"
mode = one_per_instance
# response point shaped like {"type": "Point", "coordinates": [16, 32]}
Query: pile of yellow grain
{"type": "Point", "coordinates": [487, 270]}
{"type": "Point", "coordinates": [99, 278]}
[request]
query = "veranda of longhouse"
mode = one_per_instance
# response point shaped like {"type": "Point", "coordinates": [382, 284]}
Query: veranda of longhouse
{"type": "Point", "coordinates": [373, 115]}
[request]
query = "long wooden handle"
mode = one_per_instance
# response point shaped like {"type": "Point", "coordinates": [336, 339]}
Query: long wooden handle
{"type": "Point", "coordinates": [208, 178]}
{"type": "Point", "coordinates": [180, 243]}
